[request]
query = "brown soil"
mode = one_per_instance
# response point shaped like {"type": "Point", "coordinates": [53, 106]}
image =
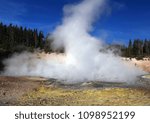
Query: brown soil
{"type": "Point", "coordinates": [143, 64]}
{"type": "Point", "coordinates": [11, 88]}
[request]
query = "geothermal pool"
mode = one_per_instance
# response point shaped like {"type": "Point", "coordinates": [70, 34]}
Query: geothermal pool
{"type": "Point", "coordinates": [146, 76]}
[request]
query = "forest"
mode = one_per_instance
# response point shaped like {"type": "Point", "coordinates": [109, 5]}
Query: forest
{"type": "Point", "coordinates": [137, 49]}
{"type": "Point", "coordinates": [15, 38]}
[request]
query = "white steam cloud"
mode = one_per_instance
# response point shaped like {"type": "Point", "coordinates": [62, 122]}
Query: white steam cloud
{"type": "Point", "coordinates": [82, 60]}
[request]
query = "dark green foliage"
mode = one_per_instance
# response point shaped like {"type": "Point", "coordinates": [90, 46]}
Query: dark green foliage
{"type": "Point", "coordinates": [138, 49]}
{"type": "Point", "coordinates": [130, 48]}
{"type": "Point", "coordinates": [14, 38]}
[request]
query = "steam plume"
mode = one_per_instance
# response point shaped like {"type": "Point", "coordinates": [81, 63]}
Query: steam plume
{"type": "Point", "coordinates": [82, 60]}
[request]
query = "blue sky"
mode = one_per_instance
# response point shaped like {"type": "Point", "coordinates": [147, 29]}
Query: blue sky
{"type": "Point", "coordinates": [126, 19]}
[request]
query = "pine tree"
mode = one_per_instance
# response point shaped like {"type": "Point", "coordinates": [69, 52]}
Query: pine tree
{"type": "Point", "coordinates": [129, 49]}
{"type": "Point", "coordinates": [40, 40]}
{"type": "Point", "coordinates": [146, 48]}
